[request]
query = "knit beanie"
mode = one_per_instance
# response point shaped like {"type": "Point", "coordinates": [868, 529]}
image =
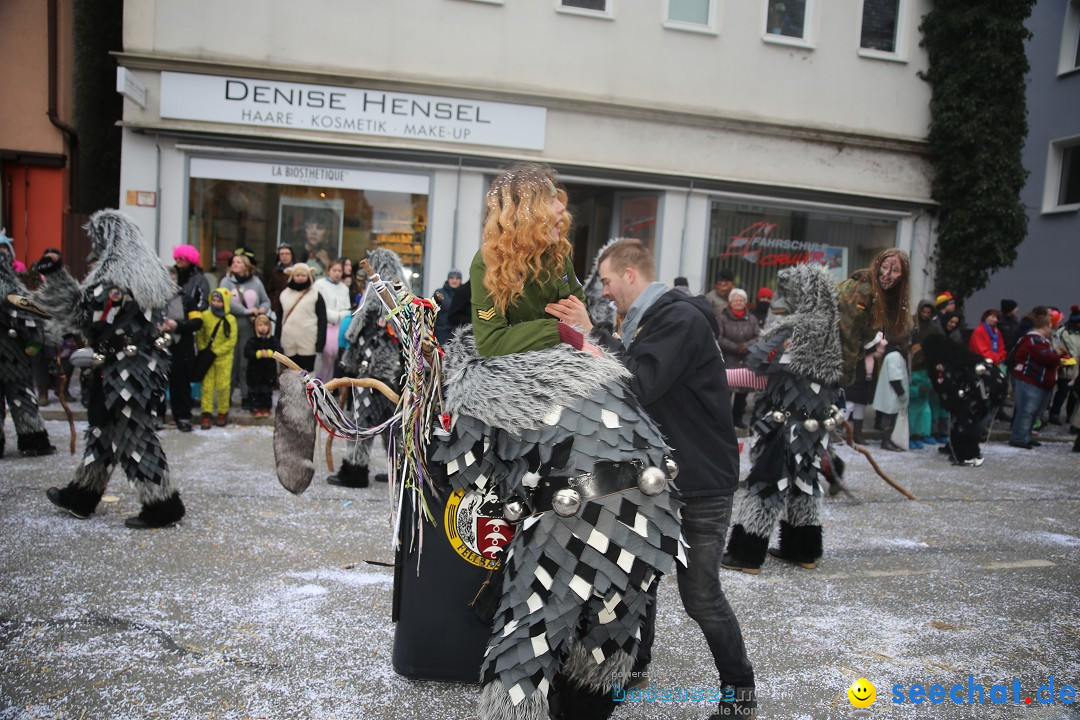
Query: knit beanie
{"type": "Point", "coordinates": [1007, 306]}
{"type": "Point", "coordinates": [764, 294]}
{"type": "Point", "coordinates": [944, 299]}
{"type": "Point", "coordinates": [1074, 314]}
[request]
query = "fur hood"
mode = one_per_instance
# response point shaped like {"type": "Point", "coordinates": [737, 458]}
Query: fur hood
{"type": "Point", "coordinates": [601, 311]}
{"type": "Point", "coordinates": [516, 392]}
{"type": "Point", "coordinates": [387, 265]}
{"type": "Point", "coordinates": [813, 320]}
{"type": "Point", "coordinates": [9, 280]}
{"type": "Point", "coordinates": [126, 261]}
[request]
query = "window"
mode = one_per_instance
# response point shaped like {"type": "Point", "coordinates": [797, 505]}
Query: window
{"type": "Point", "coordinates": [880, 25]}
{"type": "Point", "coordinates": [690, 15]}
{"type": "Point", "coordinates": [594, 8]}
{"type": "Point", "coordinates": [788, 20]}
{"type": "Point", "coordinates": [261, 205]}
{"type": "Point", "coordinates": [1062, 190]}
{"type": "Point", "coordinates": [1070, 39]}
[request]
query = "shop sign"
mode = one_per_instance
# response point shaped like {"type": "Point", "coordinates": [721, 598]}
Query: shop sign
{"type": "Point", "coordinates": [354, 111]}
{"type": "Point", "coordinates": [299, 173]}
{"type": "Point", "coordinates": [756, 245]}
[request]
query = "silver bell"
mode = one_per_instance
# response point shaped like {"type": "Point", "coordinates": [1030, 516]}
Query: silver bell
{"type": "Point", "coordinates": [12, 332]}
{"type": "Point", "coordinates": [777, 415]}
{"type": "Point", "coordinates": [981, 369]}
{"type": "Point", "coordinates": [98, 359]}
{"type": "Point", "coordinates": [829, 424]}
{"type": "Point", "coordinates": [130, 350]}
{"type": "Point", "coordinates": [672, 468]}
{"type": "Point", "coordinates": [652, 481]}
{"type": "Point", "coordinates": [811, 425]}
{"type": "Point", "coordinates": [514, 509]}
{"type": "Point", "coordinates": [566, 502]}
{"type": "Point", "coordinates": [163, 341]}
{"type": "Point", "coordinates": [959, 393]}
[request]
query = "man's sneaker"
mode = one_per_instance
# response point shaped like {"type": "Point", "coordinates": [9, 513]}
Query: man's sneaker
{"type": "Point", "coordinates": [973, 462]}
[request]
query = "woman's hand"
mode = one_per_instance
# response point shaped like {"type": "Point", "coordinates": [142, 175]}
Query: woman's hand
{"type": "Point", "coordinates": [590, 348]}
{"type": "Point", "coordinates": [571, 311]}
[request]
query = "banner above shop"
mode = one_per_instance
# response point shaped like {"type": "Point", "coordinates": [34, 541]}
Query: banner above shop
{"type": "Point", "coordinates": [297, 106]}
{"type": "Point", "coordinates": [301, 173]}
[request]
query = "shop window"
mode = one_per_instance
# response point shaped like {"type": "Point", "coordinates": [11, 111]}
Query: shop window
{"type": "Point", "coordinates": [637, 215]}
{"type": "Point", "coordinates": [788, 20]}
{"type": "Point", "coordinates": [1062, 191]}
{"type": "Point", "coordinates": [594, 8]}
{"type": "Point", "coordinates": [882, 21]}
{"type": "Point", "coordinates": [757, 242]}
{"type": "Point", "coordinates": [697, 15]}
{"type": "Point", "coordinates": [320, 222]}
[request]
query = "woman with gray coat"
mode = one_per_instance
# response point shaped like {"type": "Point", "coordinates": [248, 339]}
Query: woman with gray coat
{"type": "Point", "coordinates": [738, 331]}
{"type": "Point", "coordinates": [249, 299]}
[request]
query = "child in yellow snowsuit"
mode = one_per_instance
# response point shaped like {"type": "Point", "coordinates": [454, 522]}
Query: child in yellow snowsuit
{"type": "Point", "coordinates": [219, 332]}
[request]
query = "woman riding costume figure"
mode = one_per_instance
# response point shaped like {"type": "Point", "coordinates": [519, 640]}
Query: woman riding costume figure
{"type": "Point", "coordinates": [556, 435]}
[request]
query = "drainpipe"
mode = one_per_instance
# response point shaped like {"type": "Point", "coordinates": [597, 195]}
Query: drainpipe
{"type": "Point", "coordinates": [70, 134]}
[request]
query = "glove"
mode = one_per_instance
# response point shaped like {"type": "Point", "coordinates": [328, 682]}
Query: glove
{"type": "Point", "coordinates": [49, 263]}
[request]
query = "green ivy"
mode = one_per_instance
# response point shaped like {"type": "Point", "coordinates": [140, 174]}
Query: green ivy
{"type": "Point", "coordinates": [977, 69]}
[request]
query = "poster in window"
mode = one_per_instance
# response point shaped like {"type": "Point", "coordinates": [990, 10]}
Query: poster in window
{"type": "Point", "coordinates": [313, 227]}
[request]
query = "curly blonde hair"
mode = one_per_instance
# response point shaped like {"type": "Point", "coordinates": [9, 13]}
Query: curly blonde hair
{"type": "Point", "coordinates": [517, 246]}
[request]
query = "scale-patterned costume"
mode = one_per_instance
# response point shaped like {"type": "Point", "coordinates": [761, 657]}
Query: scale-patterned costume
{"type": "Point", "coordinates": [372, 353]}
{"type": "Point", "coordinates": [118, 308]}
{"type": "Point", "coordinates": [19, 330]}
{"type": "Point", "coordinates": [800, 354]}
{"type": "Point", "coordinates": [575, 587]}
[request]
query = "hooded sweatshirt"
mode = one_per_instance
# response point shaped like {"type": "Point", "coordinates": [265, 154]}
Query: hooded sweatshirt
{"type": "Point", "coordinates": [225, 339]}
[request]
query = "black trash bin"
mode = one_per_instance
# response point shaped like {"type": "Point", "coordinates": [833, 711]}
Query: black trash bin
{"type": "Point", "coordinates": [438, 635]}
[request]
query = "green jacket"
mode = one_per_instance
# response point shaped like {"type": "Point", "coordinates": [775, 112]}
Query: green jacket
{"type": "Point", "coordinates": [525, 326]}
{"type": "Point", "coordinates": [856, 305]}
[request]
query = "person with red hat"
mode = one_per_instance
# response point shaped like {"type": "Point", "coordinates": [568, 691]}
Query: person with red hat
{"type": "Point", "coordinates": [763, 305]}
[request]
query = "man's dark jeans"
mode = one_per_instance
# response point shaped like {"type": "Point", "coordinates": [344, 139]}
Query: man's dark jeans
{"type": "Point", "coordinates": [704, 525]}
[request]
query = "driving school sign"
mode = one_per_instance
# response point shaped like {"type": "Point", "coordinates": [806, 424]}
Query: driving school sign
{"type": "Point", "coordinates": [355, 111]}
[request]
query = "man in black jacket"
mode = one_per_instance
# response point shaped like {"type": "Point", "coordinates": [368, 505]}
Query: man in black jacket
{"type": "Point", "coordinates": [668, 343]}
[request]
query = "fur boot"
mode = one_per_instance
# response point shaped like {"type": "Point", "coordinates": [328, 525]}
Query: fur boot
{"type": "Point", "coordinates": [799, 544]}
{"type": "Point", "coordinates": [79, 501]}
{"type": "Point", "coordinates": [745, 552]}
{"type": "Point", "coordinates": [35, 443]}
{"type": "Point", "coordinates": [158, 514]}
{"type": "Point", "coordinates": [497, 704]}
{"type": "Point", "coordinates": [583, 689]}
{"type": "Point", "coordinates": [350, 475]}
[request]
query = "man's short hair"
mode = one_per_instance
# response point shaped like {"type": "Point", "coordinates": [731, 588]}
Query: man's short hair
{"type": "Point", "coordinates": [629, 252]}
{"type": "Point", "coordinates": [725, 274]}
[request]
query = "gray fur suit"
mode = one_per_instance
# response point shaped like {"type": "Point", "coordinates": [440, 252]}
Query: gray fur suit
{"type": "Point", "coordinates": [371, 353]}
{"type": "Point", "coordinates": [19, 330]}
{"type": "Point", "coordinates": [574, 588]}
{"type": "Point", "coordinates": [118, 307]}
{"type": "Point", "coordinates": [800, 354]}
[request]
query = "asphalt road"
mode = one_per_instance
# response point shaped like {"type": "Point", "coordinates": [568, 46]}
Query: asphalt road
{"type": "Point", "coordinates": [263, 605]}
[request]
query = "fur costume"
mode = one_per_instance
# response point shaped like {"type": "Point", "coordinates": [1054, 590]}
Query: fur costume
{"type": "Point", "coordinates": [601, 309]}
{"type": "Point", "coordinates": [19, 331]}
{"type": "Point", "coordinates": [118, 308]}
{"type": "Point", "coordinates": [970, 388]}
{"type": "Point", "coordinates": [574, 589]}
{"type": "Point", "coordinates": [800, 355]}
{"type": "Point", "coordinates": [373, 353]}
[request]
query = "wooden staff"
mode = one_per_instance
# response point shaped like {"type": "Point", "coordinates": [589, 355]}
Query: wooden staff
{"type": "Point", "coordinates": [896, 486]}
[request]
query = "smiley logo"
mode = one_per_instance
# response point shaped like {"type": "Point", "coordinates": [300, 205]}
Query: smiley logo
{"type": "Point", "coordinates": [862, 693]}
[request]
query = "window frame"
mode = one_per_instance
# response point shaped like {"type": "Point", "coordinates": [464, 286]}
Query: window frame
{"type": "Point", "coordinates": [1053, 179]}
{"type": "Point", "coordinates": [607, 14]}
{"type": "Point", "coordinates": [487, 2]}
{"type": "Point", "coordinates": [1069, 54]}
{"type": "Point", "coordinates": [900, 55]}
{"type": "Point", "coordinates": [805, 42]}
{"type": "Point", "coordinates": [712, 27]}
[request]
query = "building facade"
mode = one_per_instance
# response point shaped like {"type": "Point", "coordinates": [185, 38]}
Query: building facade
{"type": "Point", "coordinates": [1045, 272]}
{"type": "Point", "coordinates": [748, 135]}
{"type": "Point", "coordinates": [35, 124]}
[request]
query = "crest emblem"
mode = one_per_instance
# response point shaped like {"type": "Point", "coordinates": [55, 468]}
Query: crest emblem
{"type": "Point", "coordinates": [476, 529]}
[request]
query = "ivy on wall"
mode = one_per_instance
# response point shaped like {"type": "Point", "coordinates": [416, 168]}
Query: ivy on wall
{"type": "Point", "coordinates": [977, 70]}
